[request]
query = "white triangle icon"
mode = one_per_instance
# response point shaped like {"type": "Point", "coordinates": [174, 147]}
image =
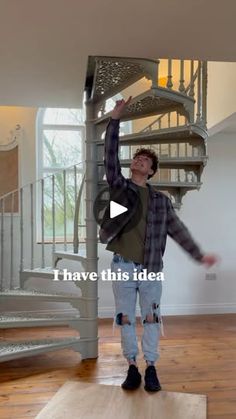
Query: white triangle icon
{"type": "Point", "coordinates": [116, 209]}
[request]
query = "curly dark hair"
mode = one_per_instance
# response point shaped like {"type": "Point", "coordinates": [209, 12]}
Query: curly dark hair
{"type": "Point", "coordinates": [152, 155]}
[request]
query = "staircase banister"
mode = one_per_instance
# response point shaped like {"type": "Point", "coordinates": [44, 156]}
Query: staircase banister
{"type": "Point", "coordinates": [194, 78]}
{"type": "Point", "coordinates": [152, 123]}
{"type": "Point", "coordinates": [161, 116]}
{"type": "Point", "coordinates": [37, 181]}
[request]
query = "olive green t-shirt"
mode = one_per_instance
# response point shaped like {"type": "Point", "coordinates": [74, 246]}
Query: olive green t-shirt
{"type": "Point", "coordinates": [131, 244]}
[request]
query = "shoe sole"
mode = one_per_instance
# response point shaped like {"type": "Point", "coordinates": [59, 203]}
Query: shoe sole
{"type": "Point", "coordinates": [131, 388]}
{"type": "Point", "coordinates": [152, 390]}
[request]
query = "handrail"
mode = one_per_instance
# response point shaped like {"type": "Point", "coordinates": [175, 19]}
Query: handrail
{"type": "Point", "coordinates": [38, 180]}
{"type": "Point", "coordinates": [194, 78]}
{"type": "Point", "coordinates": [152, 123]}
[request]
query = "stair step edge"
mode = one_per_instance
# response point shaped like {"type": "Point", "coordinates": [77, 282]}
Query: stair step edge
{"type": "Point", "coordinates": [13, 350]}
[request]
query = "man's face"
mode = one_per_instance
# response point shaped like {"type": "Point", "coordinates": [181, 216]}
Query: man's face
{"type": "Point", "coordinates": [142, 164]}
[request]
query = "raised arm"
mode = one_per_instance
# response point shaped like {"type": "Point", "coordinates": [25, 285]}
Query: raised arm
{"type": "Point", "coordinates": [179, 232]}
{"type": "Point", "coordinates": [111, 157]}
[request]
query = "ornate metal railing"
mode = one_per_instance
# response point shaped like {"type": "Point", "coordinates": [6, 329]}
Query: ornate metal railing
{"type": "Point", "coordinates": [187, 78]}
{"type": "Point", "coordinates": [197, 89]}
{"type": "Point", "coordinates": [43, 215]}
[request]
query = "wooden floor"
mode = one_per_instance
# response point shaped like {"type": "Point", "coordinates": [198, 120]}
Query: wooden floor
{"type": "Point", "coordinates": [197, 355]}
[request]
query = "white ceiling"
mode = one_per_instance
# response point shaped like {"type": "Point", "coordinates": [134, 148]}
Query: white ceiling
{"type": "Point", "coordinates": [44, 44]}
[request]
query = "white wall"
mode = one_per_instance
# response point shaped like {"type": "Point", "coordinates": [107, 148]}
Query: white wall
{"type": "Point", "coordinates": [221, 91]}
{"type": "Point", "coordinates": [211, 216]}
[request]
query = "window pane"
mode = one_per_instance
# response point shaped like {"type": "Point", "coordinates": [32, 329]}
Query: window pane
{"type": "Point", "coordinates": [64, 116]}
{"type": "Point", "coordinates": [62, 196]}
{"type": "Point", "coordinates": [61, 148]}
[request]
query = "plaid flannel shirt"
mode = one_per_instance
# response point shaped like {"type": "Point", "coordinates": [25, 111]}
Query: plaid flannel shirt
{"type": "Point", "coordinates": [162, 219]}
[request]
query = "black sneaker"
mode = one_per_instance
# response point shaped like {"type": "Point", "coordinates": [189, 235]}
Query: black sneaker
{"type": "Point", "coordinates": [133, 379]}
{"type": "Point", "coordinates": [151, 380]}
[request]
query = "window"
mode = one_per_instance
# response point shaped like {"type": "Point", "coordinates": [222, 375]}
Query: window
{"type": "Point", "coordinates": [61, 146]}
{"type": "Point", "coordinates": [60, 152]}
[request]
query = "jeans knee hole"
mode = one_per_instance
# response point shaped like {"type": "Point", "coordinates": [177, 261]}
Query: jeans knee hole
{"type": "Point", "coordinates": [152, 317]}
{"type": "Point", "coordinates": [122, 319]}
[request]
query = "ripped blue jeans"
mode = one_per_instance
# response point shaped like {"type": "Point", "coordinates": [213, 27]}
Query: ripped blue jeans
{"type": "Point", "coordinates": [125, 295]}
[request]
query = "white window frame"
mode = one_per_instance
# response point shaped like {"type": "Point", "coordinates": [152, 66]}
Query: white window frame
{"type": "Point", "coordinates": [41, 170]}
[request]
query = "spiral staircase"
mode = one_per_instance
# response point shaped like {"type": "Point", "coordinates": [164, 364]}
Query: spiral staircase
{"type": "Point", "coordinates": [167, 114]}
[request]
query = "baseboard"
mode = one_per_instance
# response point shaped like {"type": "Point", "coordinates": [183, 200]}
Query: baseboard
{"type": "Point", "coordinates": [180, 309]}
{"type": "Point", "coordinates": [166, 310]}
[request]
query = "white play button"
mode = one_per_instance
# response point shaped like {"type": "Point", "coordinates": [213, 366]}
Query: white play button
{"type": "Point", "coordinates": [106, 208]}
{"type": "Point", "coordinates": [116, 209]}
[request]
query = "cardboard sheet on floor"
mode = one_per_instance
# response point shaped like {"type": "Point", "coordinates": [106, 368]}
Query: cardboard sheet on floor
{"type": "Point", "coordinates": [77, 400]}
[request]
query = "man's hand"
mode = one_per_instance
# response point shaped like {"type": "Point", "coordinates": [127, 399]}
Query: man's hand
{"type": "Point", "coordinates": [119, 108]}
{"type": "Point", "coordinates": [209, 260]}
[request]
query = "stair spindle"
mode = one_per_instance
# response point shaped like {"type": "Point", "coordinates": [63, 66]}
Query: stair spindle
{"type": "Point", "coordinates": [204, 93]}
{"type": "Point", "coordinates": [186, 176]}
{"type": "Point", "coordinates": [102, 110]}
{"type": "Point", "coordinates": [64, 205]}
{"type": "Point", "coordinates": [191, 90]}
{"type": "Point", "coordinates": [12, 240]}
{"type": "Point", "coordinates": [169, 119]}
{"type": "Point", "coordinates": [178, 175]}
{"type": "Point", "coordinates": [32, 224]}
{"type": "Point", "coordinates": [75, 239]}
{"type": "Point", "coordinates": [42, 225]}
{"type": "Point", "coordinates": [157, 75]}
{"type": "Point", "coordinates": [75, 182]}
{"type": "Point", "coordinates": [169, 84]}
{"type": "Point", "coordinates": [2, 241]}
{"type": "Point", "coordinates": [186, 150]}
{"type": "Point", "coordinates": [177, 119]}
{"type": "Point", "coordinates": [53, 216]}
{"type": "Point", "coordinates": [199, 98]}
{"type": "Point", "coordinates": [21, 231]}
{"type": "Point", "coordinates": [181, 81]}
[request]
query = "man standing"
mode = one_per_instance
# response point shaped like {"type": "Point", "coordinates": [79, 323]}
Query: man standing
{"type": "Point", "coordinates": [138, 248]}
